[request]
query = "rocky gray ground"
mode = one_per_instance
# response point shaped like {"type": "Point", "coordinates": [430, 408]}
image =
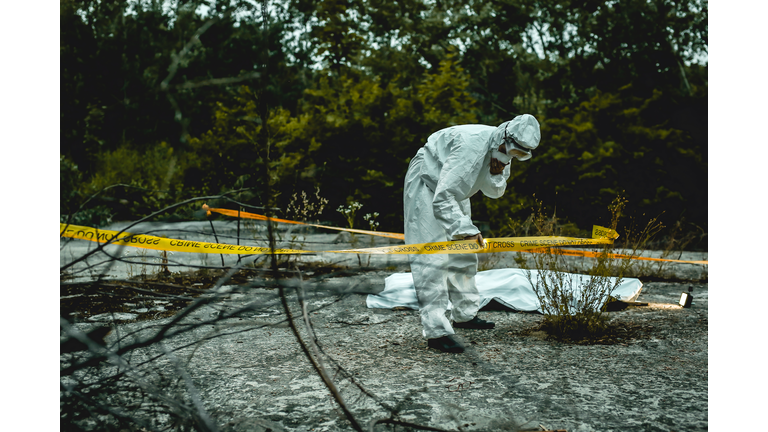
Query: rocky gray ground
{"type": "Point", "coordinates": [248, 373]}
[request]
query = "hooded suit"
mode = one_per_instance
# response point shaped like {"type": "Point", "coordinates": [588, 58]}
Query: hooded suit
{"type": "Point", "coordinates": [450, 168]}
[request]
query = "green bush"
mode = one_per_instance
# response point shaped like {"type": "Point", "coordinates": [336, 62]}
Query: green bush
{"type": "Point", "coordinates": [133, 183]}
{"type": "Point", "coordinates": [613, 143]}
{"type": "Point", "coordinates": [573, 310]}
{"type": "Point", "coordinates": [72, 198]}
{"type": "Point", "coordinates": [70, 179]}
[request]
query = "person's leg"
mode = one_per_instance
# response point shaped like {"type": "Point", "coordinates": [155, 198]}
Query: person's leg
{"type": "Point", "coordinates": [462, 290]}
{"type": "Point", "coordinates": [429, 271]}
{"type": "Point", "coordinates": [432, 292]}
{"type": "Point", "coordinates": [463, 293]}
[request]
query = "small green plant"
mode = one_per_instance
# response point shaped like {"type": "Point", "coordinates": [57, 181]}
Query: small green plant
{"type": "Point", "coordinates": [572, 305]}
{"type": "Point", "coordinates": [304, 208]}
{"type": "Point", "coordinates": [349, 212]}
{"type": "Point", "coordinates": [139, 268]}
{"type": "Point", "coordinates": [127, 255]}
{"type": "Point", "coordinates": [671, 246]}
{"type": "Point", "coordinates": [373, 224]}
{"type": "Point", "coordinates": [371, 219]}
{"type": "Point", "coordinates": [142, 254]}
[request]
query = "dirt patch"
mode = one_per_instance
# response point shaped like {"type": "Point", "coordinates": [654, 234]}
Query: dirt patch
{"type": "Point", "coordinates": [158, 295]}
{"type": "Point", "coordinates": [616, 332]}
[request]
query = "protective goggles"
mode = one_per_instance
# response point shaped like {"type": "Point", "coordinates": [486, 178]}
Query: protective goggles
{"type": "Point", "coordinates": [511, 143]}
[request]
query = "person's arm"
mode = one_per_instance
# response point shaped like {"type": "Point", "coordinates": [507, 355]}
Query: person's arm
{"type": "Point", "coordinates": [458, 175]}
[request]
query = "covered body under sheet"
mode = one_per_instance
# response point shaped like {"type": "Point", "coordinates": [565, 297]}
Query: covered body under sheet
{"type": "Point", "coordinates": [509, 287]}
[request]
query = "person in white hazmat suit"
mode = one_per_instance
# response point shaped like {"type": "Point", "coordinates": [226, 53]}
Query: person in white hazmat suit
{"type": "Point", "coordinates": [451, 167]}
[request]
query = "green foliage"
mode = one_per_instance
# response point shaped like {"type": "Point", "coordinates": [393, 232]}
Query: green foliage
{"type": "Point", "coordinates": [337, 39]}
{"type": "Point", "coordinates": [573, 309]}
{"type": "Point", "coordinates": [150, 179]}
{"type": "Point", "coordinates": [231, 153]}
{"type": "Point", "coordinates": [352, 132]}
{"type": "Point", "coordinates": [444, 97]}
{"type": "Point", "coordinates": [349, 212]}
{"type": "Point", "coordinates": [69, 182]}
{"type": "Point", "coordinates": [306, 208]}
{"type": "Point", "coordinates": [371, 219]}
{"type": "Point", "coordinates": [350, 90]}
{"type": "Point", "coordinates": [155, 168]}
{"type": "Point", "coordinates": [74, 205]}
{"type": "Point", "coordinates": [610, 144]}
{"type": "Point", "coordinates": [116, 64]}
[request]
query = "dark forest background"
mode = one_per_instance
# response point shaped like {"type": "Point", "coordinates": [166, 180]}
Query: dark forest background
{"type": "Point", "coordinates": [332, 98]}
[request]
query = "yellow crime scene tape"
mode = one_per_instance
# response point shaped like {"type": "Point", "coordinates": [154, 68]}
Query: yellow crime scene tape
{"type": "Point", "coordinates": [602, 232]}
{"type": "Point", "coordinates": [161, 243]}
{"type": "Point", "coordinates": [600, 235]}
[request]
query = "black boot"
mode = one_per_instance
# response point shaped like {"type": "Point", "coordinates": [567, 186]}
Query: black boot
{"type": "Point", "coordinates": [475, 323]}
{"type": "Point", "coordinates": [446, 344]}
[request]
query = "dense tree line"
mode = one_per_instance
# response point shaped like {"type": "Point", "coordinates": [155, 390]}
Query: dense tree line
{"type": "Point", "coordinates": [173, 98]}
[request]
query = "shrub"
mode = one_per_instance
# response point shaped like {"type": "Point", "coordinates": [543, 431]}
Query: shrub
{"type": "Point", "coordinates": [71, 199]}
{"type": "Point", "coordinates": [148, 180]}
{"type": "Point", "coordinates": [573, 306]}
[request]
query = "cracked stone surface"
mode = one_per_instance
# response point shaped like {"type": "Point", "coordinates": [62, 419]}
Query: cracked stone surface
{"type": "Point", "coordinates": [250, 374]}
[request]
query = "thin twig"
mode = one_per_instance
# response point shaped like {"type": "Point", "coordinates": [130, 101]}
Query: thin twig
{"type": "Point", "coordinates": [205, 418]}
{"type": "Point", "coordinates": [317, 367]}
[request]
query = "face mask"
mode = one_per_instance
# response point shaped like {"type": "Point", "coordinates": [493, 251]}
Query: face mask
{"type": "Point", "coordinates": [501, 157]}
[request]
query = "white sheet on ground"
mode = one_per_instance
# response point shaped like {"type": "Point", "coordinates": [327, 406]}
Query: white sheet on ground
{"type": "Point", "coordinates": [509, 287]}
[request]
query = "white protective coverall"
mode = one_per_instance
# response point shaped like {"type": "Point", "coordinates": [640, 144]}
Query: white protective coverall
{"type": "Point", "coordinates": [451, 167]}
